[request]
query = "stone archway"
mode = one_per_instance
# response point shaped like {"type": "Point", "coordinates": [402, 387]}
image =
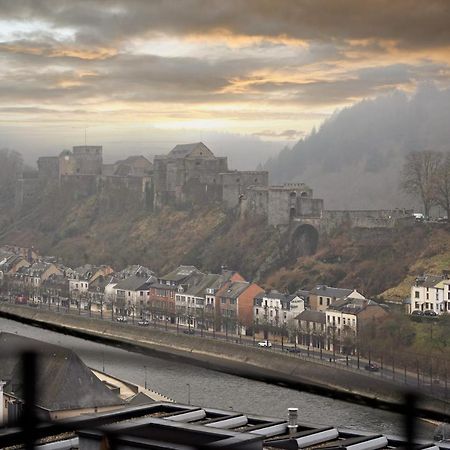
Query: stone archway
{"type": "Point", "coordinates": [304, 241]}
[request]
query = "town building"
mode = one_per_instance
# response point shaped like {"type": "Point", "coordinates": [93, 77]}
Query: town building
{"type": "Point", "coordinates": [277, 309]}
{"type": "Point", "coordinates": [347, 317]}
{"type": "Point", "coordinates": [430, 294]}
{"type": "Point", "coordinates": [33, 276]}
{"type": "Point", "coordinates": [234, 306]}
{"type": "Point", "coordinates": [312, 328]}
{"type": "Point", "coordinates": [322, 296]}
{"type": "Point", "coordinates": [132, 295]}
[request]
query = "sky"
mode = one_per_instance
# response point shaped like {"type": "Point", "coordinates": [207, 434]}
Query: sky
{"type": "Point", "coordinates": [141, 76]}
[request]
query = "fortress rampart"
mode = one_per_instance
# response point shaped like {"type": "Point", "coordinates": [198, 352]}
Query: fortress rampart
{"type": "Point", "coordinates": [191, 174]}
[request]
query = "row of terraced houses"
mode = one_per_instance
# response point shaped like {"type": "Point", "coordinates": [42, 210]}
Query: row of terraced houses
{"type": "Point", "coordinates": [224, 302]}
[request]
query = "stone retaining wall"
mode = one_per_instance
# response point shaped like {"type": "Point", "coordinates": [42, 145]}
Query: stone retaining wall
{"type": "Point", "coordinates": [256, 363]}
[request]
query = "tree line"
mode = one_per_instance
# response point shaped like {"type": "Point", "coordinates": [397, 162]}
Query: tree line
{"type": "Point", "coordinates": [426, 175]}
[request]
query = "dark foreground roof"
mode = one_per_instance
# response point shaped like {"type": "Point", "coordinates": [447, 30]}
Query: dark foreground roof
{"type": "Point", "coordinates": [185, 427]}
{"type": "Point", "coordinates": [64, 381]}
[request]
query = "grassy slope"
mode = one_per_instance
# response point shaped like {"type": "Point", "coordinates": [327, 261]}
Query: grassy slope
{"type": "Point", "coordinates": [84, 232]}
{"type": "Point", "coordinates": [373, 261]}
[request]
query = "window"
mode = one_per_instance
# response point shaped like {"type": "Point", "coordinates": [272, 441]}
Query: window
{"type": "Point", "coordinates": [256, 311]}
{"type": "Point", "coordinates": [320, 301]}
{"type": "Point", "coordinates": [328, 302]}
{"type": "Point", "coordinates": [223, 301]}
{"type": "Point", "coordinates": [232, 301]}
{"type": "Point", "coordinates": [428, 296]}
{"type": "Point", "coordinates": [417, 294]}
{"type": "Point", "coordinates": [339, 320]}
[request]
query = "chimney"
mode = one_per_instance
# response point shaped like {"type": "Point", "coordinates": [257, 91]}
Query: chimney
{"type": "Point", "coordinates": [292, 420]}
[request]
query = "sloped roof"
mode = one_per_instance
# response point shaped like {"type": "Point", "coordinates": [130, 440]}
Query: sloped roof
{"type": "Point", "coordinates": [180, 273]}
{"type": "Point", "coordinates": [235, 289]}
{"type": "Point", "coordinates": [184, 150]}
{"type": "Point", "coordinates": [140, 399]}
{"type": "Point", "coordinates": [312, 316]}
{"type": "Point", "coordinates": [327, 291]}
{"type": "Point", "coordinates": [428, 280]}
{"type": "Point", "coordinates": [207, 281]}
{"type": "Point", "coordinates": [352, 305]}
{"type": "Point", "coordinates": [135, 269]}
{"type": "Point", "coordinates": [134, 283]}
{"type": "Point", "coordinates": [63, 382]}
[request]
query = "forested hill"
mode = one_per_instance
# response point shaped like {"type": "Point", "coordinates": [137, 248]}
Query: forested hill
{"type": "Point", "coordinates": [354, 160]}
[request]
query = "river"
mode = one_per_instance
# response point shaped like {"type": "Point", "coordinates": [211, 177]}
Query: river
{"type": "Point", "coordinates": [215, 389]}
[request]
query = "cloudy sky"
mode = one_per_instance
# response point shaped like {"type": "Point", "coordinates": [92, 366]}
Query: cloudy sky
{"type": "Point", "coordinates": [151, 73]}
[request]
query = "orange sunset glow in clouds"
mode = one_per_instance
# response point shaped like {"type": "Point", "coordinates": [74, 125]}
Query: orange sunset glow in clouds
{"type": "Point", "coordinates": [158, 70]}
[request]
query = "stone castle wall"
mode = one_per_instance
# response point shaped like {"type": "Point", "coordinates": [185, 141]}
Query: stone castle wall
{"type": "Point", "coordinates": [191, 174]}
{"type": "Point", "coordinates": [235, 184]}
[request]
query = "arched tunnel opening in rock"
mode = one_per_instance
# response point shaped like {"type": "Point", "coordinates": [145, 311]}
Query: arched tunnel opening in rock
{"type": "Point", "coordinates": [304, 241]}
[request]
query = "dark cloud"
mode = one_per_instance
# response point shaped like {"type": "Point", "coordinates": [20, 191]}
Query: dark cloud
{"type": "Point", "coordinates": [77, 54]}
{"type": "Point", "coordinates": [411, 23]}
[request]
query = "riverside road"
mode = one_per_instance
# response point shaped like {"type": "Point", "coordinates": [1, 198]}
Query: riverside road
{"type": "Point", "coordinates": [422, 380]}
{"type": "Point", "coordinates": [187, 383]}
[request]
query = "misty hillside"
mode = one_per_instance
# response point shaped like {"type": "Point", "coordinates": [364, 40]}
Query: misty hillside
{"type": "Point", "coordinates": [354, 159]}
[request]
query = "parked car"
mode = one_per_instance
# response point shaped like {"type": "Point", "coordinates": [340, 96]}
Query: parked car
{"type": "Point", "coordinates": [430, 313]}
{"type": "Point", "coordinates": [293, 349]}
{"type": "Point", "coordinates": [372, 367]}
{"type": "Point", "coordinates": [417, 312]}
{"type": "Point", "coordinates": [189, 331]}
{"type": "Point", "coordinates": [143, 323]}
{"type": "Point", "coordinates": [265, 343]}
{"type": "Point", "coordinates": [121, 319]}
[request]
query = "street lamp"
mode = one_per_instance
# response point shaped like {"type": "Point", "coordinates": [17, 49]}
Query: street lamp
{"type": "Point", "coordinates": [145, 385]}
{"type": "Point", "coordinates": [189, 393]}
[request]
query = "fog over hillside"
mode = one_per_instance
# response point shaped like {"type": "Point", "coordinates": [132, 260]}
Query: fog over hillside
{"type": "Point", "coordinates": [354, 159]}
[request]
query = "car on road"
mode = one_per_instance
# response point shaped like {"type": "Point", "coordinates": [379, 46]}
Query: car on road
{"type": "Point", "coordinates": [344, 360]}
{"type": "Point", "coordinates": [121, 319]}
{"type": "Point", "coordinates": [293, 350]}
{"type": "Point", "coordinates": [372, 367]}
{"type": "Point", "coordinates": [265, 344]}
{"type": "Point", "coordinates": [143, 323]}
{"type": "Point", "coordinates": [189, 331]}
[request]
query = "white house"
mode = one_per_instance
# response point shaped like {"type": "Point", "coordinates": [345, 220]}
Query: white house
{"type": "Point", "coordinates": [430, 293]}
{"type": "Point", "coordinates": [277, 308]}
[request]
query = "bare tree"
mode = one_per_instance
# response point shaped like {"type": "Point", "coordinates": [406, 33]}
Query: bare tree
{"type": "Point", "coordinates": [442, 187]}
{"type": "Point", "coordinates": [419, 176]}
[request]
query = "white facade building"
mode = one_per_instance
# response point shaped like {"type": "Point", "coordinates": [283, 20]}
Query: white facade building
{"type": "Point", "coordinates": [430, 293]}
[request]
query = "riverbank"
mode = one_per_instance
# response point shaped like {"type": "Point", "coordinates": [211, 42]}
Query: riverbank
{"type": "Point", "coordinates": [254, 363]}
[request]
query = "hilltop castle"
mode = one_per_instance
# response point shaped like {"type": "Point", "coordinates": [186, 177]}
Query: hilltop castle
{"type": "Point", "coordinates": [189, 174]}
